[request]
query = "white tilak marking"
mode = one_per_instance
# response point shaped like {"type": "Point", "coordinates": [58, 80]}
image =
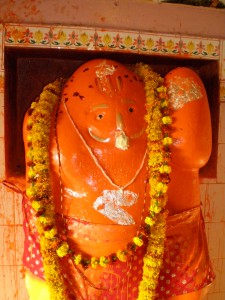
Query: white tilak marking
{"type": "Point", "coordinates": [178, 141]}
{"type": "Point", "coordinates": [75, 194]}
{"type": "Point", "coordinates": [109, 205]}
{"type": "Point", "coordinates": [183, 90]}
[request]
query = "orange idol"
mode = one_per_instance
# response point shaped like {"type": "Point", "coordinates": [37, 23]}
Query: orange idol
{"type": "Point", "coordinates": [112, 205]}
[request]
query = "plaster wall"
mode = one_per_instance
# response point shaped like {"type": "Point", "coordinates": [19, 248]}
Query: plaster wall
{"type": "Point", "coordinates": [176, 22]}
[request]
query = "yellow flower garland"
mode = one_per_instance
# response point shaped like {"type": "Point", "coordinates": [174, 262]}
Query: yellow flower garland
{"type": "Point", "coordinates": [158, 120]}
{"type": "Point", "coordinates": [39, 191]}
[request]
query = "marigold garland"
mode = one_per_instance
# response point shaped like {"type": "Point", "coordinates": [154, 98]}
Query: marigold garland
{"type": "Point", "coordinates": [39, 192]}
{"type": "Point", "coordinates": [158, 120]}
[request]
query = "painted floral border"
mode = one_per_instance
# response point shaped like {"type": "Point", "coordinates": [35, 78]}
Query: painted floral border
{"type": "Point", "coordinates": [109, 40]}
{"type": "Point", "coordinates": [94, 39]}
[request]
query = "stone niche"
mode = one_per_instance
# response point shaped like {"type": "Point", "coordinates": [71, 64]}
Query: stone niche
{"type": "Point", "coordinates": [28, 70]}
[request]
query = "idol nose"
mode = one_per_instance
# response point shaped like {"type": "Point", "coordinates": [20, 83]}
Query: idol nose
{"type": "Point", "coordinates": [119, 121]}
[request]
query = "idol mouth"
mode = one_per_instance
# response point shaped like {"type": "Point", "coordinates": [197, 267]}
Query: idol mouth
{"type": "Point", "coordinates": [98, 138]}
{"type": "Point", "coordinates": [121, 139]}
{"type": "Point", "coordinates": [138, 134]}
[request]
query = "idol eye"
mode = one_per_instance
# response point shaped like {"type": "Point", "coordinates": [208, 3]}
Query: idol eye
{"type": "Point", "coordinates": [131, 109]}
{"type": "Point", "coordinates": [100, 116]}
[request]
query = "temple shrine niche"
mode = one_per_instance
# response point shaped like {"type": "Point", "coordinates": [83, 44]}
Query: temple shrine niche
{"type": "Point", "coordinates": [28, 71]}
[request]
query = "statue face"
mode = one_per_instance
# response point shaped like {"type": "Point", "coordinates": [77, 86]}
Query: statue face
{"type": "Point", "coordinates": [107, 103]}
{"type": "Point", "coordinates": [102, 142]}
